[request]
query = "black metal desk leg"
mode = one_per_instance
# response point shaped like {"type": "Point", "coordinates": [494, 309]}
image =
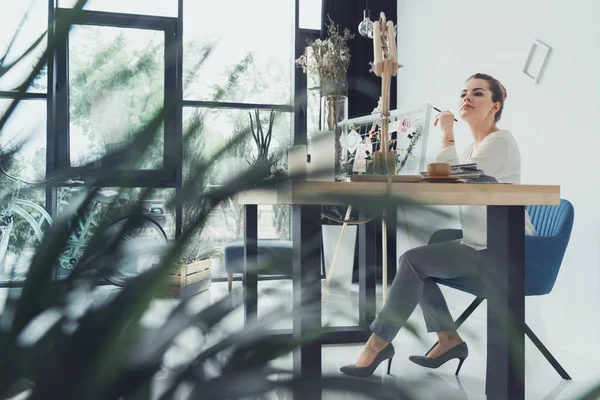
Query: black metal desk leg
{"type": "Point", "coordinates": [250, 253]}
{"type": "Point", "coordinates": [306, 236]}
{"type": "Point", "coordinates": [392, 234]}
{"type": "Point", "coordinates": [366, 272]}
{"type": "Point", "coordinates": [505, 285]}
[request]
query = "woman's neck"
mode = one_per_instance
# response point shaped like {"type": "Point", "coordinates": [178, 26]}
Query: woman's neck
{"type": "Point", "coordinates": [481, 131]}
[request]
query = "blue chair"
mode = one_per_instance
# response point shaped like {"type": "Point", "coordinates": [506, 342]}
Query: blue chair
{"type": "Point", "coordinates": [543, 256]}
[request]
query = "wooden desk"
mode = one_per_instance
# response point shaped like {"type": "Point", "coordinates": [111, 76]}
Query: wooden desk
{"type": "Point", "coordinates": [506, 249]}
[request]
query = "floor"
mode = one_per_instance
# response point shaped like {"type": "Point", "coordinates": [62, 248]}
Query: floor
{"type": "Point", "coordinates": [542, 382]}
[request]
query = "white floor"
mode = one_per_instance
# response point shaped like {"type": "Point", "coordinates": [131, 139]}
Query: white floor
{"type": "Point", "coordinates": [542, 382]}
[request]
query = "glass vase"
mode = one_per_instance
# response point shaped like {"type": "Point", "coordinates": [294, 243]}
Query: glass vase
{"type": "Point", "coordinates": [334, 110]}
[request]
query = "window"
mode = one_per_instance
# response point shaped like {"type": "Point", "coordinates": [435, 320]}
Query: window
{"type": "Point", "coordinates": [26, 130]}
{"type": "Point", "coordinates": [159, 222]}
{"type": "Point", "coordinates": [116, 86]}
{"type": "Point", "coordinates": [113, 74]}
{"type": "Point", "coordinates": [251, 50]}
{"type": "Point", "coordinates": [232, 66]}
{"type": "Point", "coordinates": [28, 20]}
{"type": "Point", "coordinates": [214, 128]}
{"type": "Point", "coordinates": [167, 8]}
{"type": "Point", "coordinates": [26, 127]}
{"type": "Point", "coordinates": [157, 205]}
{"type": "Point", "coordinates": [21, 25]}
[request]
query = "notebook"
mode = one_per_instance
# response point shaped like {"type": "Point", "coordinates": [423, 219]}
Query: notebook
{"type": "Point", "coordinates": [469, 173]}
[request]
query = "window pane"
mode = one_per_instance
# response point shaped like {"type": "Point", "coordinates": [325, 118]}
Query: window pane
{"type": "Point", "coordinates": [158, 205]}
{"type": "Point", "coordinates": [214, 128]}
{"type": "Point", "coordinates": [156, 208]}
{"type": "Point", "coordinates": [27, 125]}
{"type": "Point", "coordinates": [252, 50]}
{"type": "Point", "coordinates": [310, 14]}
{"type": "Point", "coordinates": [31, 28]}
{"type": "Point", "coordinates": [167, 8]}
{"type": "Point", "coordinates": [22, 237]}
{"type": "Point", "coordinates": [116, 86]}
{"type": "Point", "coordinates": [226, 225]}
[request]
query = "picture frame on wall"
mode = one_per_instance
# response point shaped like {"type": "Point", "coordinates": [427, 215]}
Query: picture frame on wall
{"type": "Point", "coordinates": [536, 60]}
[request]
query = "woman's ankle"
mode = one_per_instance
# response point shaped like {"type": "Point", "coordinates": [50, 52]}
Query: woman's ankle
{"type": "Point", "coordinates": [376, 343]}
{"type": "Point", "coordinates": [449, 337]}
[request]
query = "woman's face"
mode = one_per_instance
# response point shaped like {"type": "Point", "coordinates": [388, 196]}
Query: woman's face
{"type": "Point", "coordinates": [475, 104]}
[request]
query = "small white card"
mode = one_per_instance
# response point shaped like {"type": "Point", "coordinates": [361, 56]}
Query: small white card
{"type": "Point", "coordinates": [405, 126]}
{"type": "Point", "coordinates": [350, 141]}
{"type": "Point", "coordinates": [360, 159]}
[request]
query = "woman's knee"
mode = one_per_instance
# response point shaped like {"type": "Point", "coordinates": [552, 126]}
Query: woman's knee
{"type": "Point", "coordinates": [411, 260]}
{"type": "Point", "coordinates": [412, 254]}
{"type": "Point", "coordinates": [407, 259]}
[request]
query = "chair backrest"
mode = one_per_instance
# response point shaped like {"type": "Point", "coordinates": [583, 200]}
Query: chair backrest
{"type": "Point", "coordinates": [550, 220]}
{"type": "Point", "coordinates": [544, 253]}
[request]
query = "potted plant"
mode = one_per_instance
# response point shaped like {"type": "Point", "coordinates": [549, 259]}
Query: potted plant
{"type": "Point", "coordinates": [192, 274]}
{"type": "Point", "coordinates": [328, 61]}
{"type": "Point", "coordinates": [262, 140]}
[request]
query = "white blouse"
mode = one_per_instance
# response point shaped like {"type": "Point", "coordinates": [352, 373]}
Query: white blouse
{"type": "Point", "coordinates": [498, 156]}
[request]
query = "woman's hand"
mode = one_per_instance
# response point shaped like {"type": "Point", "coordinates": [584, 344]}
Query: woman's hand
{"type": "Point", "coordinates": [445, 119]}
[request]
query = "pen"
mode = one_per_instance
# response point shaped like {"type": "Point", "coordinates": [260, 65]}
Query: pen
{"type": "Point", "coordinates": [438, 110]}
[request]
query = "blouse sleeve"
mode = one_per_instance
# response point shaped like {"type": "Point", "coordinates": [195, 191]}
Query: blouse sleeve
{"type": "Point", "coordinates": [448, 155]}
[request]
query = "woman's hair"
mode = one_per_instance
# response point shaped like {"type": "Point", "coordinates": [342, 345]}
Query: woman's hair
{"type": "Point", "coordinates": [498, 91]}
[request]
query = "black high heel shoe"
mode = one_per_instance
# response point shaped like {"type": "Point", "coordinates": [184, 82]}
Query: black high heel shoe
{"type": "Point", "coordinates": [386, 354]}
{"type": "Point", "coordinates": [460, 351]}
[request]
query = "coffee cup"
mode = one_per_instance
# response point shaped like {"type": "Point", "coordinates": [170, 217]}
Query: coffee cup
{"type": "Point", "coordinates": [438, 169]}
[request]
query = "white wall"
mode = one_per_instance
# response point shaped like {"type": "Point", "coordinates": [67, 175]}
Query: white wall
{"type": "Point", "coordinates": [555, 122]}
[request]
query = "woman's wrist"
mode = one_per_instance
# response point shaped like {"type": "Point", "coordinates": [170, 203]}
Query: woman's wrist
{"type": "Point", "coordinates": [447, 142]}
{"type": "Point", "coordinates": [448, 134]}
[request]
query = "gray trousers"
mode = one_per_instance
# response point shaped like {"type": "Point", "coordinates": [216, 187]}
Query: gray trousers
{"type": "Point", "coordinates": [414, 285]}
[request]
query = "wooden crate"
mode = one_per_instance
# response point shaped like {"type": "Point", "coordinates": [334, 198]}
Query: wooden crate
{"type": "Point", "coordinates": [190, 279]}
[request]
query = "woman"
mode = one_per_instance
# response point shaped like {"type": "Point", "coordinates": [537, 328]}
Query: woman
{"type": "Point", "coordinates": [496, 152]}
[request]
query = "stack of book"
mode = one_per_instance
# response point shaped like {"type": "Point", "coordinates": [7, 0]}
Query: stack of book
{"type": "Point", "coordinates": [471, 173]}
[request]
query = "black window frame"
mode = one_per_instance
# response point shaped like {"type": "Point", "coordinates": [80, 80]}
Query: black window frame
{"type": "Point", "coordinates": [166, 177]}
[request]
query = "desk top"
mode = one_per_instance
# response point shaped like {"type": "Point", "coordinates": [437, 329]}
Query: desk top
{"type": "Point", "coordinates": [328, 193]}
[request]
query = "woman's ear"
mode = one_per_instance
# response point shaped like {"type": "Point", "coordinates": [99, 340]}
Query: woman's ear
{"type": "Point", "coordinates": [496, 107]}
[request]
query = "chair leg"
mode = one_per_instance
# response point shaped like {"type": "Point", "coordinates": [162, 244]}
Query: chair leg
{"type": "Point", "coordinates": [229, 282]}
{"type": "Point", "coordinates": [463, 317]}
{"type": "Point", "coordinates": [538, 343]}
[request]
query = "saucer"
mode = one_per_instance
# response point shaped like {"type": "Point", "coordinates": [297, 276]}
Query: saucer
{"type": "Point", "coordinates": [384, 178]}
{"type": "Point", "coordinates": [441, 179]}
